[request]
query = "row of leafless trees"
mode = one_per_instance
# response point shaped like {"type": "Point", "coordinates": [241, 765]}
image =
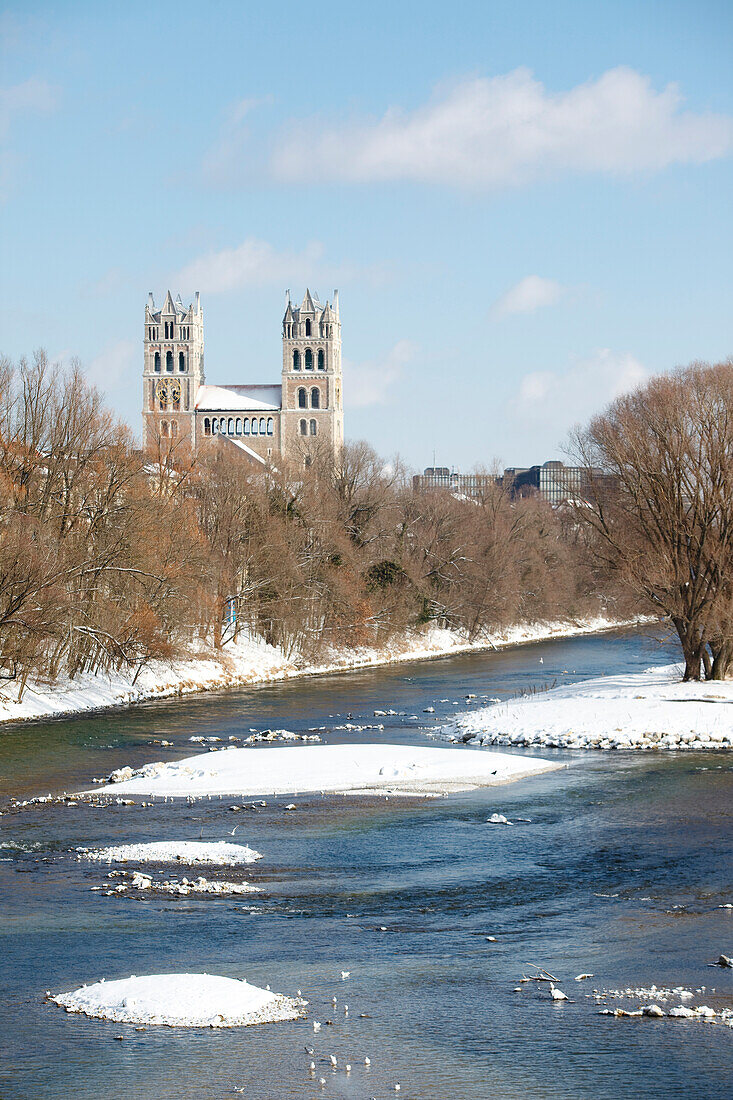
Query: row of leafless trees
{"type": "Point", "coordinates": [110, 558]}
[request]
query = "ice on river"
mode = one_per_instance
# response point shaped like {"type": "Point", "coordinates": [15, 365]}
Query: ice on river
{"type": "Point", "coordinates": [644, 710]}
{"type": "Point", "coordinates": [181, 1000]}
{"type": "Point", "coordinates": [333, 768]}
{"type": "Point", "coordinates": [190, 852]}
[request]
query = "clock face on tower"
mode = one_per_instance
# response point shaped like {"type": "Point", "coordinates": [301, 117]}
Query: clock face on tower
{"type": "Point", "coordinates": [168, 394]}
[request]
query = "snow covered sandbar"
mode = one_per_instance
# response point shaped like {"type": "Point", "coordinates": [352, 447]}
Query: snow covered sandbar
{"type": "Point", "coordinates": [332, 768]}
{"type": "Point", "coordinates": [643, 710]}
{"type": "Point", "coordinates": [181, 1000]}
{"type": "Point", "coordinates": [190, 852]}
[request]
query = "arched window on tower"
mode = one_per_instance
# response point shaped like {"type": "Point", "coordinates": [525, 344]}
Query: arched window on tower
{"type": "Point", "coordinates": [315, 398]}
{"type": "Point", "coordinates": [270, 425]}
{"type": "Point", "coordinates": [263, 427]}
{"type": "Point", "coordinates": [296, 360]}
{"type": "Point", "coordinates": [238, 426]}
{"type": "Point", "coordinates": [246, 425]}
{"type": "Point", "coordinates": [254, 425]}
{"type": "Point", "coordinates": [303, 427]}
{"type": "Point", "coordinates": [314, 427]}
{"type": "Point", "coordinates": [174, 427]}
{"type": "Point", "coordinates": [164, 428]}
{"type": "Point", "coordinates": [321, 359]}
{"type": "Point", "coordinates": [302, 398]}
{"type": "Point", "coordinates": [308, 359]}
{"type": "Point", "coordinates": [207, 426]}
{"type": "Point", "coordinates": [157, 362]}
{"type": "Point", "coordinates": [307, 328]}
{"type": "Point", "coordinates": [181, 361]}
{"type": "Point", "coordinates": [169, 361]}
{"type": "Point", "coordinates": [230, 426]}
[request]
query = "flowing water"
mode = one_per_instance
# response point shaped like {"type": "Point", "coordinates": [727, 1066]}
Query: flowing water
{"type": "Point", "coordinates": [619, 872]}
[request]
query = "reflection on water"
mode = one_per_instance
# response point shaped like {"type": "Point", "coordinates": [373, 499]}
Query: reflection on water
{"type": "Point", "coordinates": [618, 872]}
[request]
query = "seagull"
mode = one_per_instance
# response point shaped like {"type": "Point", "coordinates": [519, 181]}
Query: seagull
{"type": "Point", "coordinates": [397, 1088]}
{"type": "Point", "coordinates": [321, 1081]}
{"type": "Point", "coordinates": [345, 974]}
{"type": "Point", "coordinates": [348, 1068]}
{"type": "Point", "coordinates": [309, 1050]}
{"type": "Point", "coordinates": [234, 830]}
{"type": "Point", "coordinates": [367, 1061]}
{"type": "Point", "coordinates": [316, 1025]}
{"type": "Point", "coordinates": [542, 660]}
{"type": "Point", "coordinates": [557, 994]}
{"type": "Point", "coordinates": [333, 1060]}
{"type": "Point", "coordinates": [312, 1067]}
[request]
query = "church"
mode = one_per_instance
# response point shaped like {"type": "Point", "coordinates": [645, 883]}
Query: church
{"type": "Point", "coordinates": [268, 423]}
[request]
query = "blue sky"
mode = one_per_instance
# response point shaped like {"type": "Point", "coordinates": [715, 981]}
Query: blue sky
{"type": "Point", "coordinates": [526, 207]}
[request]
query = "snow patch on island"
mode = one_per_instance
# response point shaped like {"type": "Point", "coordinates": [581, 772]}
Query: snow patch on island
{"type": "Point", "coordinates": [190, 852]}
{"type": "Point", "coordinates": [181, 1000]}
{"type": "Point", "coordinates": [332, 768]}
{"type": "Point", "coordinates": [646, 710]}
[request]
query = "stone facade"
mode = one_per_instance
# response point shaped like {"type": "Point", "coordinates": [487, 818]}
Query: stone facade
{"type": "Point", "coordinates": [266, 422]}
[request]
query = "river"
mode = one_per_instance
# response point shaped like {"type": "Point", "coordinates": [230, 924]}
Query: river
{"type": "Point", "coordinates": [619, 872]}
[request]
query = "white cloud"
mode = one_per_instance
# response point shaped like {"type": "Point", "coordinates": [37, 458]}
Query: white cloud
{"type": "Point", "coordinates": [368, 383]}
{"type": "Point", "coordinates": [32, 96]}
{"type": "Point", "coordinates": [562, 400]}
{"type": "Point", "coordinates": [527, 295]}
{"type": "Point", "coordinates": [255, 263]}
{"type": "Point", "coordinates": [508, 130]}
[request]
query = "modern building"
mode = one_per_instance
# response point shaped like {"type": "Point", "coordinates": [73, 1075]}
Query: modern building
{"type": "Point", "coordinates": [553, 481]}
{"type": "Point", "coordinates": [267, 422]}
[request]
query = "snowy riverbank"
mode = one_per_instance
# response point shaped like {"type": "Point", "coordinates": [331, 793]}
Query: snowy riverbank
{"type": "Point", "coordinates": [253, 661]}
{"type": "Point", "coordinates": [645, 710]}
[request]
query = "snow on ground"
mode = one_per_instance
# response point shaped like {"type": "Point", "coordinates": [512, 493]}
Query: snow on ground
{"type": "Point", "coordinates": [417, 770]}
{"type": "Point", "coordinates": [644, 710]}
{"type": "Point", "coordinates": [180, 1000]}
{"type": "Point", "coordinates": [250, 660]}
{"type": "Point", "coordinates": [190, 852]}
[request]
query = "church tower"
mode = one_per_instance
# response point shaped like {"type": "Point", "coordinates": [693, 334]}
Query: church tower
{"type": "Point", "coordinates": [173, 369]}
{"type": "Point", "coordinates": [312, 416]}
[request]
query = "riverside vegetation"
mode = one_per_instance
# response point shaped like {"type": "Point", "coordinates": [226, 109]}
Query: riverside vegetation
{"type": "Point", "coordinates": [111, 558]}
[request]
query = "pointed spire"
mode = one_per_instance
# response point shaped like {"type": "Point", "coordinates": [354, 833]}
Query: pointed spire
{"type": "Point", "coordinates": [151, 303]}
{"type": "Point", "coordinates": [168, 306]}
{"type": "Point", "coordinates": [307, 306]}
{"type": "Point", "coordinates": [336, 303]}
{"type": "Point", "coordinates": [197, 303]}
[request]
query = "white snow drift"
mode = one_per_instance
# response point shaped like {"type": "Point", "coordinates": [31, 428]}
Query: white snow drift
{"type": "Point", "coordinates": [416, 770]}
{"type": "Point", "coordinates": [645, 710]}
{"type": "Point", "coordinates": [181, 1000]}
{"type": "Point", "coordinates": [190, 852]}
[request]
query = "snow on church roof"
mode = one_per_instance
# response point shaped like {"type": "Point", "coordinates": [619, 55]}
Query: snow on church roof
{"type": "Point", "coordinates": [239, 398]}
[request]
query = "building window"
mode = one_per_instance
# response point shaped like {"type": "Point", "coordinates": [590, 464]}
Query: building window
{"type": "Point", "coordinates": [307, 462]}
{"type": "Point", "coordinates": [162, 397]}
{"type": "Point", "coordinates": [238, 426]}
{"type": "Point", "coordinates": [314, 427]}
{"type": "Point", "coordinates": [307, 328]}
{"type": "Point", "coordinates": [181, 361]}
{"type": "Point", "coordinates": [296, 360]}
{"type": "Point", "coordinates": [169, 361]}
{"type": "Point", "coordinates": [214, 426]}
{"type": "Point", "coordinates": [321, 359]}
{"type": "Point", "coordinates": [157, 361]}
{"type": "Point", "coordinates": [246, 425]}
{"type": "Point", "coordinates": [207, 426]}
{"type": "Point", "coordinates": [164, 427]}
{"type": "Point", "coordinates": [263, 429]}
{"type": "Point", "coordinates": [303, 427]}
{"type": "Point", "coordinates": [315, 398]}
{"type": "Point", "coordinates": [270, 427]}
{"type": "Point", "coordinates": [302, 398]}
{"type": "Point", "coordinates": [174, 427]}
{"type": "Point", "coordinates": [308, 359]}
{"type": "Point", "coordinates": [254, 425]}
{"type": "Point", "coordinates": [230, 426]}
